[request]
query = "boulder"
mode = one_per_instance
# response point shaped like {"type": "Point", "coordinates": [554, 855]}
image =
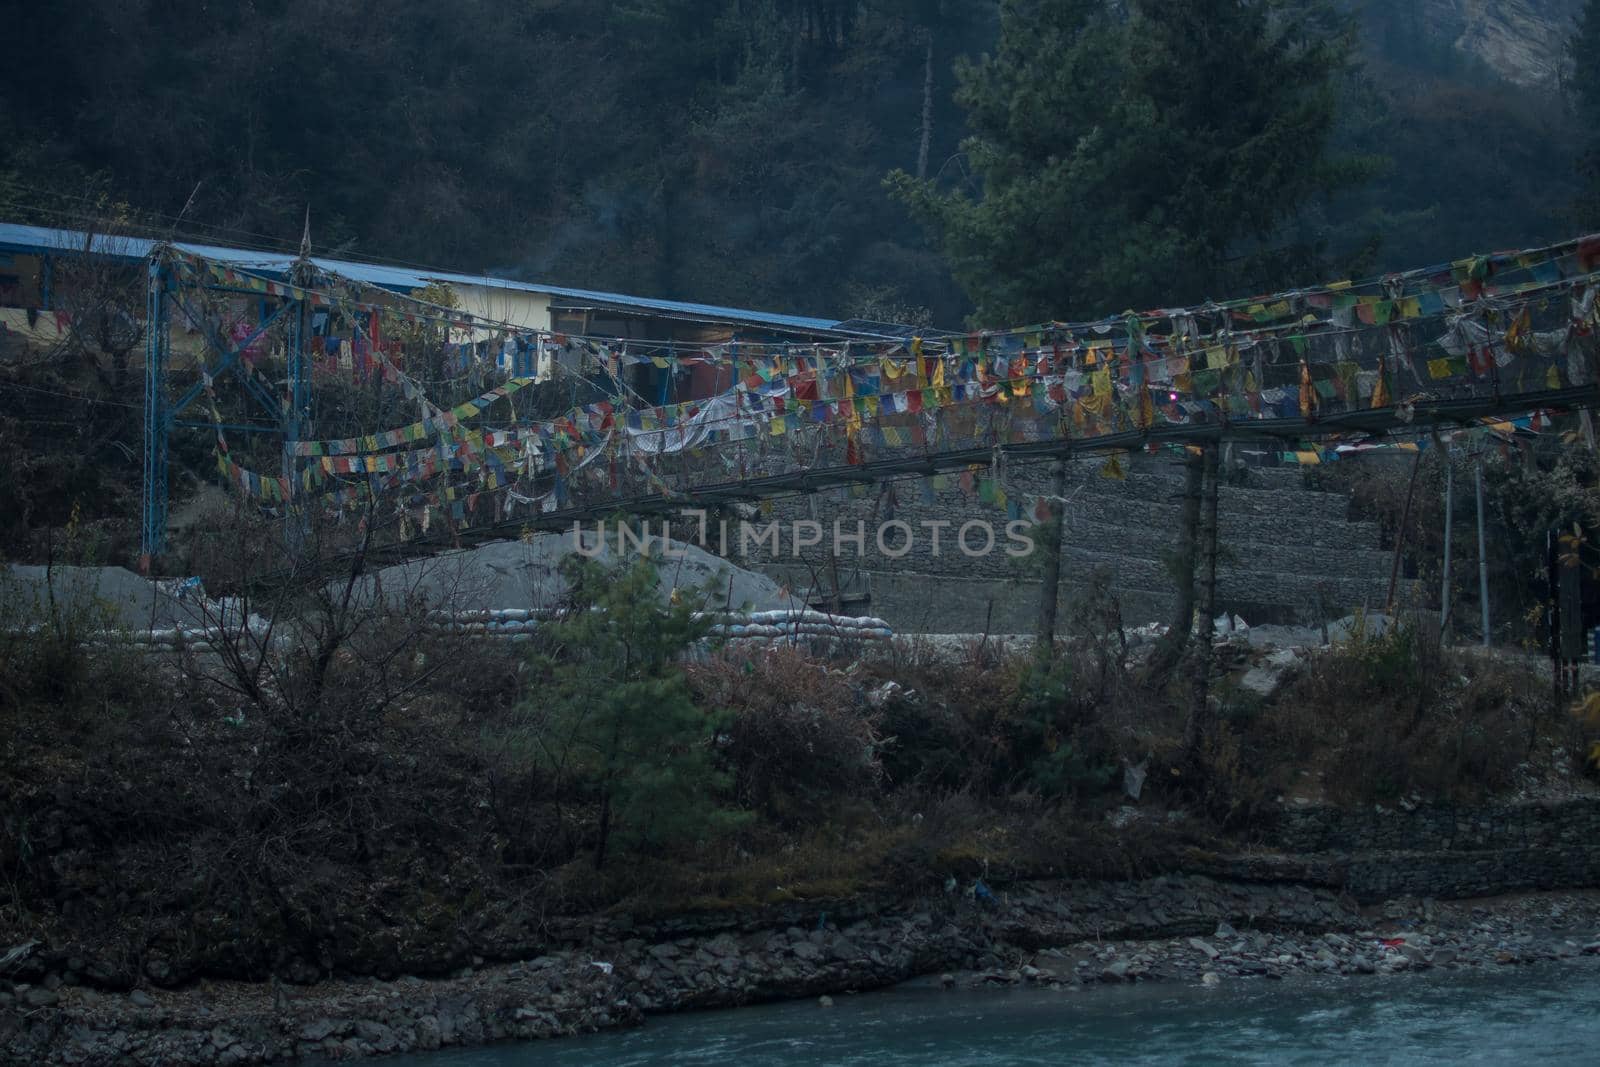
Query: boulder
{"type": "Point", "coordinates": [1268, 676]}
{"type": "Point", "coordinates": [1116, 971]}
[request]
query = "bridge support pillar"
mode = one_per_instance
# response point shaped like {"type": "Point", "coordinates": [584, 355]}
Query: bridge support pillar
{"type": "Point", "coordinates": [157, 416]}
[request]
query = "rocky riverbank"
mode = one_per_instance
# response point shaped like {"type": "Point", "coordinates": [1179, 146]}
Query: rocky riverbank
{"type": "Point", "coordinates": [613, 972]}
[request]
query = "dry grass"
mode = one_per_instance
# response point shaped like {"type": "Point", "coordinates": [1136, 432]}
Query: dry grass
{"type": "Point", "coordinates": [1391, 716]}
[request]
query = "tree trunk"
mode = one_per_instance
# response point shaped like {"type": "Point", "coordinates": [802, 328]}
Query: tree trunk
{"type": "Point", "coordinates": [1050, 591]}
{"type": "Point", "coordinates": [927, 108]}
{"type": "Point", "coordinates": [1169, 650]}
{"type": "Point", "coordinates": [1197, 727]}
{"type": "Point", "coordinates": [1400, 536]}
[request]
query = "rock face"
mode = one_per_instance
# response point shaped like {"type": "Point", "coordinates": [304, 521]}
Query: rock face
{"type": "Point", "coordinates": [1523, 41]}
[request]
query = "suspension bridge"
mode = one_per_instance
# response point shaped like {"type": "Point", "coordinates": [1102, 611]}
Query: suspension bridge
{"type": "Point", "coordinates": [323, 395]}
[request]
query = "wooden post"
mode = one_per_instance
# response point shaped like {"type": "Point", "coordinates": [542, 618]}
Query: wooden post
{"type": "Point", "coordinates": [1169, 651]}
{"type": "Point", "coordinates": [1050, 592]}
{"type": "Point", "coordinates": [1569, 611]}
{"type": "Point", "coordinates": [1483, 554]}
{"type": "Point", "coordinates": [1449, 523]}
{"type": "Point", "coordinates": [1197, 726]}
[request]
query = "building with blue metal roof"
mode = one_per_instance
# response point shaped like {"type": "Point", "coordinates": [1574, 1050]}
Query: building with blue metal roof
{"type": "Point", "coordinates": [531, 304]}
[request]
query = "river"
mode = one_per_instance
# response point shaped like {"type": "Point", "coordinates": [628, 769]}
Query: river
{"type": "Point", "coordinates": [1547, 1014]}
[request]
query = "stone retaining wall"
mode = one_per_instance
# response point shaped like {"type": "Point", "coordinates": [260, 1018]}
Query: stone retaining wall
{"type": "Point", "coordinates": [1436, 851]}
{"type": "Point", "coordinates": [1552, 825]}
{"type": "Point", "coordinates": [1290, 551]}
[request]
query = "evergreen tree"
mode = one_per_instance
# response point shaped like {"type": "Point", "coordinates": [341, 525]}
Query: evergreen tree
{"type": "Point", "coordinates": [613, 724]}
{"type": "Point", "coordinates": [1138, 161]}
{"type": "Point", "coordinates": [732, 151]}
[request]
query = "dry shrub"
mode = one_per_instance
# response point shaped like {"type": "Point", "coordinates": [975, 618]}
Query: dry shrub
{"type": "Point", "coordinates": [1017, 724]}
{"type": "Point", "coordinates": [1390, 715]}
{"type": "Point", "coordinates": [801, 735]}
{"type": "Point", "coordinates": [1585, 732]}
{"type": "Point", "coordinates": [1236, 786]}
{"type": "Point", "coordinates": [947, 722]}
{"type": "Point", "coordinates": [1024, 836]}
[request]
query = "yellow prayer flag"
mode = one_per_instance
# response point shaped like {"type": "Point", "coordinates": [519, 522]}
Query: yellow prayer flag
{"type": "Point", "coordinates": [1145, 413]}
{"type": "Point", "coordinates": [1096, 406]}
{"type": "Point", "coordinates": [1519, 326]}
{"type": "Point", "coordinates": [1439, 368]}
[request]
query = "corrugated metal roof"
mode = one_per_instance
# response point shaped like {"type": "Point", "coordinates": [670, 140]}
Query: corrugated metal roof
{"type": "Point", "coordinates": [43, 239]}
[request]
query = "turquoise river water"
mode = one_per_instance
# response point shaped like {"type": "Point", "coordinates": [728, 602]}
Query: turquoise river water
{"type": "Point", "coordinates": [1547, 1015]}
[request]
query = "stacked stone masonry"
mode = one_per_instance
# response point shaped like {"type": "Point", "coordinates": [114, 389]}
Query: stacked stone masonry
{"type": "Point", "coordinates": [1445, 852]}
{"type": "Point", "coordinates": [1289, 551]}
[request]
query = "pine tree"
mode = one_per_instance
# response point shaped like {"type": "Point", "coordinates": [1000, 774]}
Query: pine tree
{"type": "Point", "coordinates": [1137, 161]}
{"type": "Point", "coordinates": [613, 724]}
